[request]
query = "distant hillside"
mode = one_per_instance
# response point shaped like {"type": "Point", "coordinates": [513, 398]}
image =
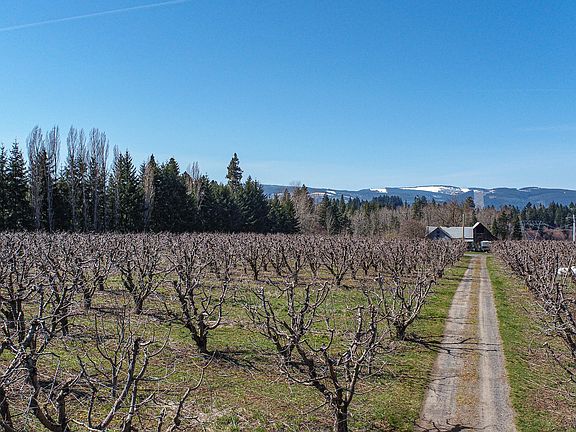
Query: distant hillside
{"type": "Point", "coordinates": [442, 193]}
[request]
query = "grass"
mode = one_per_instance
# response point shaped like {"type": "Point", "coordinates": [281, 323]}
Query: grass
{"type": "Point", "coordinates": [537, 392]}
{"type": "Point", "coordinates": [397, 406]}
{"type": "Point", "coordinates": [388, 401]}
{"type": "Point", "coordinates": [242, 391]}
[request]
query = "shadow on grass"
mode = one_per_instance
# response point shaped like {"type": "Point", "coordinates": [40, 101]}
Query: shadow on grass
{"type": "Point", "coordinates": [236, 358]}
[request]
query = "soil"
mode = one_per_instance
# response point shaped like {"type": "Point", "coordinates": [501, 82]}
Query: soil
{"type": "Point", "coordinates": [469, 387]}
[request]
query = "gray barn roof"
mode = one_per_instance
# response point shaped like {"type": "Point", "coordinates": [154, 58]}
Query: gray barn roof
{"type": "Point", "coordinates": [454, 232]}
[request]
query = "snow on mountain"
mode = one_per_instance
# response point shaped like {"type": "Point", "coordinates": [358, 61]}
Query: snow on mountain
{"type": "Point", "coordinates": [449, 190]}
{"type": "Point", "coordinates": [496, 197]}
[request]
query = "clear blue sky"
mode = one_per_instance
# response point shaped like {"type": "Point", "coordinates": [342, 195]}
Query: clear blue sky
{"type": "Point", "coordinates": [338, 94]}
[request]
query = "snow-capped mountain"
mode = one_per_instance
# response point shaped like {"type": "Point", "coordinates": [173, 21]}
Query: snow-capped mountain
{"type": "Point", "coordinates": [443, 193]}
{"type": "Point", "coordinates": [447, 190]}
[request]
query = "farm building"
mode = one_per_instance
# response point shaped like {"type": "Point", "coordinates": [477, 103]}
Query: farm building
{"type": "Point", "coordinates": [472, 235]}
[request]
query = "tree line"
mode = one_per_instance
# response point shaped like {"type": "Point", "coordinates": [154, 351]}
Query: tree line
{"type": "Point", "coordinates": [86, 193]}
{"type": "Point", "coordinates": [93, 189]}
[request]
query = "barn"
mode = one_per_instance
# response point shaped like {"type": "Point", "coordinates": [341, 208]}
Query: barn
{"type": "Point", "coordinates": [472, 235]}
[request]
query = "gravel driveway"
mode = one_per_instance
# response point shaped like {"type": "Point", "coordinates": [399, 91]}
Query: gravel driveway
{"type": "Point", "coordinates": [469, 387]}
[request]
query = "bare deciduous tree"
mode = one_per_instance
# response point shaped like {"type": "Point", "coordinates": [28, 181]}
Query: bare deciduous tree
{"type": "Point", "coordinates": [200, 299]}
{"type": "Point", "coordinates": [148, 184]}
{"type": "Point", "coordinates": [97, 175]}
{"type": "Point", "coordinates": [139, 260]}
{"type": "Point", "coordinates": [72, 175]}
{"type": "Point", "coordinates": [311, 348]}
{"type": "Point", "coordinates": [51, 174]}
{"type": "Point", "coordinates": [35, 144]}
{"type": "Point", "coordinates": [549, 271]}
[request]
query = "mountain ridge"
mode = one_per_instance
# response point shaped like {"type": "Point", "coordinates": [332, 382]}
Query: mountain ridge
{"type": "Point", "coordinates": [483, 197]}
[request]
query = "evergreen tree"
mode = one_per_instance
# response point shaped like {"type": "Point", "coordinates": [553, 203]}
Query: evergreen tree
{"type": "Point", "coordinates": [322, 209]}
{"type": "Point", "coordinates": [234, 174]}
{"type": "Point", "coordinates": [418, 207]}
{"type": "Point", "coordinates": [282, 215]}
{"type": "Point", "coordinates": [62, 214]}
{"type": "Point", "coordinates": [275, 216]}
{"type": "Point", "coordinates": [3, 189]}
{"type": "Point", "coordinates": [517, 230]}
{"type": "Point", "coordinates": [125, 195]}
{"type": "Point", "coordinates": [206, 206]}
{"type": "Point", "coordinates": [330, 216]}
{"type": "Point", "coordinates": [253, 207]}
{"type": "Point", "coordinates": [227, 216]}
{"type": "Point", "coordinates": [19, 211]}
{"type": "Point", "coordinates": [290, 220]}
{"type": "Point", "coordinates": [174, 208]}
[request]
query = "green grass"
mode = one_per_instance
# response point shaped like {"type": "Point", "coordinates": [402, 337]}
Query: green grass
{"type": "Point", "coordinates": [243, 391]}
{"type": "Point", "coordinates": [536, 396]}
{"type": "Point", "coordinates": [389, 401]}
{"type": "Point", "coordinates": [398, 403]}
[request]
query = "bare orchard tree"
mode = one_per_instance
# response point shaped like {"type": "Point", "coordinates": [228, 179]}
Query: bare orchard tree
{"type": "Point", "coordinates": [406, 272]}
{"type": "Point", "coordinates": [24, 346]}
{"type": "Point", "coordinates": [312, 349]}
{"type": "Point", "coordinates": [199, 297]}
{"type": "Point", "coordinates": [255, 254]}
{"type": "Point", "coordinates": [139, 259]}
{"type": "Point", "coordinates": [62, 275]}
{"type": "Point", "coordinates": [99, 254]}
{"type": "Point", "coordinates": [549, 271]}
{"type": "Point", "coordinates": [337, 255]}
{"type": "Point", "coordinates": [286, 255]}
{"type": "Point", "coordinates": [116, 377]}
{"type": "Point", "coordinates": [17, 276]}
{"type": "Point", "coordinates": [107, 388]}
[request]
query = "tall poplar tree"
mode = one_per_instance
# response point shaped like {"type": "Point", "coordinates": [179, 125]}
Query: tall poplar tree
{"type": "Point", "coordinates": [149, 181]}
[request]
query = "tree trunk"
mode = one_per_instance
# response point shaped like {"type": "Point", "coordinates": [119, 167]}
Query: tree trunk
{"type": "Point", "coordinates": [202, 342]}
{"type": "Point", "coordinates": [87, 299]}
{"type": "Point", "coordinates": [401, 331]}
{"type": "Point", "coordinates": [341, 420]}
{"type": "Point", "coordinates": [5, 412]}
{"type": "Point", "coordinates": [65, 325]}
{"type": "Point", "coordinates": [138, 306]}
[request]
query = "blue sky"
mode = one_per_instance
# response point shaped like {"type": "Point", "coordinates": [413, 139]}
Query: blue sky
{"type": "Point", "coordinates": [328, 93]}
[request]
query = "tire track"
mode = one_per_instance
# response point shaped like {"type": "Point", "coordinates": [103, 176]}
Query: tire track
{"type": "Point", "coordinates": [469, 387]}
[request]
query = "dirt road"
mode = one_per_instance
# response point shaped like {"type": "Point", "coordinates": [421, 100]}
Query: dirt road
{"type": "Point", "coordinates": [469, 388]}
